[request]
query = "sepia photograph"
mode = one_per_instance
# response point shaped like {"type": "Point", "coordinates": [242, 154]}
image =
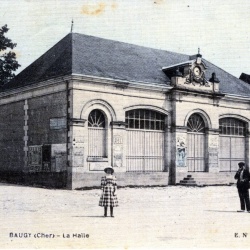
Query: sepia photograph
{"type": "Point", "coordinates": [124, 124]}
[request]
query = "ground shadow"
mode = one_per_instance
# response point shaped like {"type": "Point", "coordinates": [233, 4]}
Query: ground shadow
{"type": "Point", "coordinates": [93, 216]}
{"type": "Point", "coordinates": [222, 211]}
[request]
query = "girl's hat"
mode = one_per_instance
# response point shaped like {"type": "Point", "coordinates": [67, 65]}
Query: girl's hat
{"type": "Point", "coordinates": [109, 167]}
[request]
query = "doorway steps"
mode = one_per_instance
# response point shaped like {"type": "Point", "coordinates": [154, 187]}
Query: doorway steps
{"type": "Point", "coordinates": [208, 179]}
{"type": "Point", "coordinates": [188, 181]}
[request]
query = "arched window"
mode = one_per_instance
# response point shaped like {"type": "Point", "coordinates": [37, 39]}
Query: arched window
{"type": "Point", "coordinates": [97, 134]}
{"type": "Point", "coordinates": [196, 124]}
{"type": "Point", "coordinates": [232, 126]}
{"type": "Point", "coordinates": [232, 143]}
{"type": "Point", "coordinates": [145, 119]}
{"type": "Point", "coordinates": [96, 119]}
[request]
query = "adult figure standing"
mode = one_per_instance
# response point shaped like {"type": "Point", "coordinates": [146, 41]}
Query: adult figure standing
{"type": "Point", "coordinates": [243, 177]}
{"type": "Point", "coordinates": [109, 188]}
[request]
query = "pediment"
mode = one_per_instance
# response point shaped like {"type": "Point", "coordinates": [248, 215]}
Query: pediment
{"type": "Point", "coordinates": [191, 75]}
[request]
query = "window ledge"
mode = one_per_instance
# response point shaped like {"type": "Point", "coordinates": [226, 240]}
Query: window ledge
{"type": "Point", "coordinates": [97, 159]}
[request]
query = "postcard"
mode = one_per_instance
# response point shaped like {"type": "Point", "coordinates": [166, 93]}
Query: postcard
{"type": "Point", "coordinates": [124, 124]}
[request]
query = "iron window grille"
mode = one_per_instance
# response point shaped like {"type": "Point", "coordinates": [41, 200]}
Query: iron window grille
{"type": "Point", "coordinates": [145, 119]}
{"type": "Point", "coordinates": [96, 119]}
{"type": "Point", "coordinates": [196, 124]}
{"type": "Point", "coordinates": [232, 126]}
{"type": "Point", "coordinates": [97, 134]}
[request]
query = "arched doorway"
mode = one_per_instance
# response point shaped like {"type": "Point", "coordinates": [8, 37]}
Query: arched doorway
{"type": "Point", "coordinates": [232, 143]}
{"type": "Point", "coordinates": [97, 144]}
{"type": "Point", "coordinates": [196, 143]}
{"type": "Point", "coordinates": [145, 140]}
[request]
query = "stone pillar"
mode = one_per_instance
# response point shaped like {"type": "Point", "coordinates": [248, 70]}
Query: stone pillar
{"type": "Point", "coordinates": [119, 144]}
{"type": "Point", "coordinates": [76, 146]}
{"type": "Point", "coordinates": [213, 151]}
{"type": "Point", "coordinates": [78, 142]}
{"type": "Point", "coordinates": [247, 149]}
{"type": "Point", "coordinates": [25, 138]}
{"type": "Point", "coordinates": [178, 153]}
{"type": "Point", "coordinates": [181, 150]}
{"type": "Point", "coordinates": [167, 149]}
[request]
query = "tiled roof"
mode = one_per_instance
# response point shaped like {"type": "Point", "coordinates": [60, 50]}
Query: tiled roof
{"type": "Point", "coordinates": [229, 84]}
{"type": "Point", "coordinates": [93, 56]}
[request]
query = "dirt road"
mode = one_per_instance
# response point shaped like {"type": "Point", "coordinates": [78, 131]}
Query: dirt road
{"type": "Point", "coordinates": [167, 217]}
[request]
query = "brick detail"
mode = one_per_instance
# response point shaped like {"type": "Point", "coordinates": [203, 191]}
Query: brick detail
{"type": "Point", "coordinates": [25, 128]}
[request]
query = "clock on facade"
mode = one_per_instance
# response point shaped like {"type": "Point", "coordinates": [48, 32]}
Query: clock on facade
{"type": "Point", "coordinates": [197, 71]}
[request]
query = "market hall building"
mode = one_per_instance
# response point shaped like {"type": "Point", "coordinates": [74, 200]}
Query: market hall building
{"type": "Point", "coordinates": [154, 115]}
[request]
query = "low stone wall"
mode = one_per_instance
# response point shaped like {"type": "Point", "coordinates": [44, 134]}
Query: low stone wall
{"type": "Point", "coordinates": [93, 180]}
{"type": "Point", "coordinates": [84, 180]}
{"type": "Point", "coordinates": [50, 180]}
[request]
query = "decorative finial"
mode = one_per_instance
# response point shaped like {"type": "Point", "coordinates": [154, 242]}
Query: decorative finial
{"type": "Point", "coordinates": [214, 79]}
{"type": "Point", "coordinates": [72, 24]}
{"type": "Point", "coordinates": [198, 56]}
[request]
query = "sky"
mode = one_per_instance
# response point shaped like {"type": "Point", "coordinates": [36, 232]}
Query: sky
{"type": "Point", "coordinates": [220, 28]}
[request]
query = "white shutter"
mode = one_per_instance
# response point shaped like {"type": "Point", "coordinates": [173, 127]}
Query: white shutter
{"type": "Point", "coordinates": [97, 142]}
{"type": "Point", "coordinates": [195, 152]}
{"type": "Point", "coordinates": [145, 150]}
{"type": "Point", "coordinates": [232, 151]}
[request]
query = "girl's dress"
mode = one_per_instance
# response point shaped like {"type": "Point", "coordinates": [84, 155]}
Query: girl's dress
{"type": "Point", "coordinates": [108, 197]}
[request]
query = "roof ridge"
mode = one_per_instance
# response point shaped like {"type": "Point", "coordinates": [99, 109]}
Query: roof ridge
{"type": "Point", "coordinates": [127, 43]}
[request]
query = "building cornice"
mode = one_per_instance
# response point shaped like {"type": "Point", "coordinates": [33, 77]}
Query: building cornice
{"type": "Point", "coordinates": [230, 97]}
{"type": "Point", "coordinates": [123, 83]}
{"type": "Point", "coordinates": [197, 92]}
{"type": "Point", "coordinates": [32, 87]}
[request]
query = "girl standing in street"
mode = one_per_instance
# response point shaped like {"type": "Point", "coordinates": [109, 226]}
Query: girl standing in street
{"type": "Point", "coordinates": [109, 187]}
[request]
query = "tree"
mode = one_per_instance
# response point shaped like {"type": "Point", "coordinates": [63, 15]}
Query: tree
{"type": "Point", "coordinates": [8, 62]}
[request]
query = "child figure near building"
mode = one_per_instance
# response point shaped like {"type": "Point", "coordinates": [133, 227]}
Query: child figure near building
{"type": "Point", "coordinates": [109, 187]}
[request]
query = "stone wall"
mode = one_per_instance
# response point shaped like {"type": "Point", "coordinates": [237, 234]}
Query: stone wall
{"type": "Point", "coordinates": [42, 112]}
{"type": "Point", "coordinates": [34, 117]}
{"type": "Point", "coordinates": [12, 137]}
